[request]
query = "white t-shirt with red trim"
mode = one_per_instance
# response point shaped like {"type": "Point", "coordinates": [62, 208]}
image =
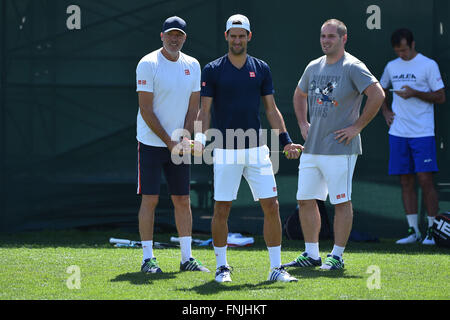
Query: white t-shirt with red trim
{"type": "Point", "coordinates": [172, 83]}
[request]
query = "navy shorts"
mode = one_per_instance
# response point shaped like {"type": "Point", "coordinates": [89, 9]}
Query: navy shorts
{"type": "Point", "coordinates": [412, 155]}
{"type": "Point", "coordinates": [150, 162]}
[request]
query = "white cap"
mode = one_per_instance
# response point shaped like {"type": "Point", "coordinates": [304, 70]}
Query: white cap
{"type": "Point", "coordinates": [238, 21]}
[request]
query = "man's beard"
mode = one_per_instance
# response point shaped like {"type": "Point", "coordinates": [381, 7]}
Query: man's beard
{"type": "Point", "coordinates": [172, 52]}
{"type": "Point", "coordinates": [237, 52]}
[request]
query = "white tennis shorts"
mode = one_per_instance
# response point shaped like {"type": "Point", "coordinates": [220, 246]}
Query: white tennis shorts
{"type": "Point", "coordinates": [253, 163]}
{"type": "Point", "coordinates": [323, 175]}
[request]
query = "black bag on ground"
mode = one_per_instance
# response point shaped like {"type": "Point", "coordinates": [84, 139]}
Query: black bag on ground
{"type": "Point", "coordinates": [441, 230]}
{"type": "Point", "coordinates": [293, 230]}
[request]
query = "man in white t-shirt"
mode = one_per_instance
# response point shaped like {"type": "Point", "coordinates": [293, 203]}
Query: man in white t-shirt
{"type": "Point", "coordinates": [168, 86]}
{"type": "Point", "coordinates": [416, 85]}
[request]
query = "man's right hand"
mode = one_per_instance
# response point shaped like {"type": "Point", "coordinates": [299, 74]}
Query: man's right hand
{"type": "Point", "coordinates": [182, 147]}
{"type": "Point", "coordinates": [175, 147]}
{"type": "Point", "coordinates": [388, 116]}
{"type": "Point", "coordinates": [197, 149]}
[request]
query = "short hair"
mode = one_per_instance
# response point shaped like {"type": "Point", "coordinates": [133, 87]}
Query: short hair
{"type": "Point", "coordinates": [341, 27]}
{"type": "Point", "coordinates": [399, 34]}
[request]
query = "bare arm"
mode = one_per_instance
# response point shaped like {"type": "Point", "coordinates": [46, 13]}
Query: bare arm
{"type": "Point", "coordinates": [432, 97]}
{"type": "Point", "coordinates": [386, 110]}
{"type": "Point", "coordinates": [301, 111]}
{"type": "Point", "coordinates": [204, 114]}
{"type": "Point", "coordinates": [191, 115]}
{"type": "Point", "coordinates": [277, 122]}
{"type": "Point", "coordinates": [147, 113]}
{"type": "Point", "coordinates": [273, 114]}
{"type": "Point", "coordinates": [375, 97]}
{"type": "Point", "coordinates": [204, 118]}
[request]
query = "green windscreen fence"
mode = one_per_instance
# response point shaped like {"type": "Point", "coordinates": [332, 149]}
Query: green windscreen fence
{"type": "Point", "coordinates": [69, 105]}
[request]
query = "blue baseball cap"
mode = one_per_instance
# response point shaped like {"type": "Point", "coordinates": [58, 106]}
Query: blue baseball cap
{"type": "Point", "coordinates": [174, 23]}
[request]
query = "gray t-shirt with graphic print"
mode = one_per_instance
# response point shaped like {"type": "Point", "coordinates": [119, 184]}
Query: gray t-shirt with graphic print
{"type": "Point", "coordinates": [335, 93]}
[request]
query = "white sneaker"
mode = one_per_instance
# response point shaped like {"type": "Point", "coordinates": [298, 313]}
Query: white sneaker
{"type": "Point", "coordinates": [280, 274]}
{"type": "Point", "coordinates": [412, 237]}
{"type": "Point", "coordinates": [332, 262]}
{"type": "Point", "coordinates": [429, 242]}
{"type": "Point", "coordinates": [429, 239]}
{"type": "Point", "coordinates": [223, 274]}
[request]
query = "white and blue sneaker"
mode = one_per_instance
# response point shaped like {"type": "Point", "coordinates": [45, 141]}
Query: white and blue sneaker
{"type": "Point", "coordinates": [150, 266]}
{"type": "Point", "coordinates": [412, 237]}
{"type": "Point", "coordinates": [223, 274]}
{"type": "Point", "coordinates": [280, 274]}
{"type": "Point", "coordinates": [332, 262]}
{"type": "Point", "coordinates": [429, 239]}
{"type": "Point", "coordinates": [303, 261]}
{"type": "Point", "coordinates": [193, 265]}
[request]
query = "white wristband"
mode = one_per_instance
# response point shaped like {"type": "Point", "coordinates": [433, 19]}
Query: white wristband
{"type": "Point", "coordinates": [200, 137]}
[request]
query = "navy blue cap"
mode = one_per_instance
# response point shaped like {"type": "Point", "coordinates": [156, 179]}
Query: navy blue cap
{"type": "Point", "coordinates": [174, 23]}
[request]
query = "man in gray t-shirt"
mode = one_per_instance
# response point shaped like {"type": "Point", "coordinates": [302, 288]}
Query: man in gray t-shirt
{"type": "Point", "coordinates": [330, 90]}
{"type": "Point", "coordinates": [334, 99]}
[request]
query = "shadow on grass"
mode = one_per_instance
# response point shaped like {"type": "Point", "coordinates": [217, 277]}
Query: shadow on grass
{"type": "Point", "coordinates": [139, 278]}
{"type": "Point", "coordinates": [317, 273]}
{"type": "Point", "coordinates": [212, 287]}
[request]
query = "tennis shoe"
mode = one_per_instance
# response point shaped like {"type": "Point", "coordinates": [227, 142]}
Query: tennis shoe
{"type": "Point", "coordinates": [332, 262]}
{"type": "Point", "coordinates": [412, 237]}
{"type": "Point", "coordinates": [429, 239]}
{"type": "Point", "coordinates": [150, 266]}
{"type": "Point", "coordinates": [303, 261]}
{"type": "Point", "coordinates": [280, 274]}
{"type": "Point", "coordinates": [193, 265]}
{"type": "Point", "coordinates": [223, 274]}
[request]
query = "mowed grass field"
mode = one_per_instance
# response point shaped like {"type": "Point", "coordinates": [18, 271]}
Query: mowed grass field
{"type": "Point", "coordinates": [75, 265]}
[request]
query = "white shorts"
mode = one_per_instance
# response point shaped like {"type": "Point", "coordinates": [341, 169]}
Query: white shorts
{"type": "Point", "coordinates": [320, 175]}
{"type": "Point", "coordinates": [253, 163]}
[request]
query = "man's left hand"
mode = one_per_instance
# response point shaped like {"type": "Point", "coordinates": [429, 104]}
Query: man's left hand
{"type": "Point", "coordinates": [292, 150]}
{"type": "Point", "coordinates": [406, 92]}
{"type": "Point", "coordinates": [346, 134]}
{"type": "Point", "coordinates": [186, 145]}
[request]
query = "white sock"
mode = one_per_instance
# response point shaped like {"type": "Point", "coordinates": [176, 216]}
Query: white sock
{"type": "Point", "coordinates": [430, 221]}
{"type": "Point", "coordinates": [275, 256]}
{"type": "Point", "coordinates": [412, 221]}
{"type": "Point", "coordinates": [337, 251]}
{"type": "Point", "coordinates": [312, 249]}
{"type": "Point", "coordinates": [147, 248]}
{"type": "Point", "coordinates": [221, 256]}
{"type": "Point", "coordinates": [185, 246]}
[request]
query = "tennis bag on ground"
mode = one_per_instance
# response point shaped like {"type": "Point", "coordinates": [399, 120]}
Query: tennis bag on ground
{"type": "Point", "coordinates": [441, 230]}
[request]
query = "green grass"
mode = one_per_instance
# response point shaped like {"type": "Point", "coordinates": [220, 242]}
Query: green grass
{"type": "Point", "coordinates": [34, 266]}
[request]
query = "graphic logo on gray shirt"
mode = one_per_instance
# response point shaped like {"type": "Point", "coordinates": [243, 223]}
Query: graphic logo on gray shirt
{"type": "Point", "coordinates": [326, 94]}
{"type": "Point", "coordinates": [321, 91]}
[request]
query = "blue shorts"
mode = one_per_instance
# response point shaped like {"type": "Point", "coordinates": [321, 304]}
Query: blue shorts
{"type": "Point", "coordinates": [151, 162]}
{"type": "Point", "coordinates": [412, 155]}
